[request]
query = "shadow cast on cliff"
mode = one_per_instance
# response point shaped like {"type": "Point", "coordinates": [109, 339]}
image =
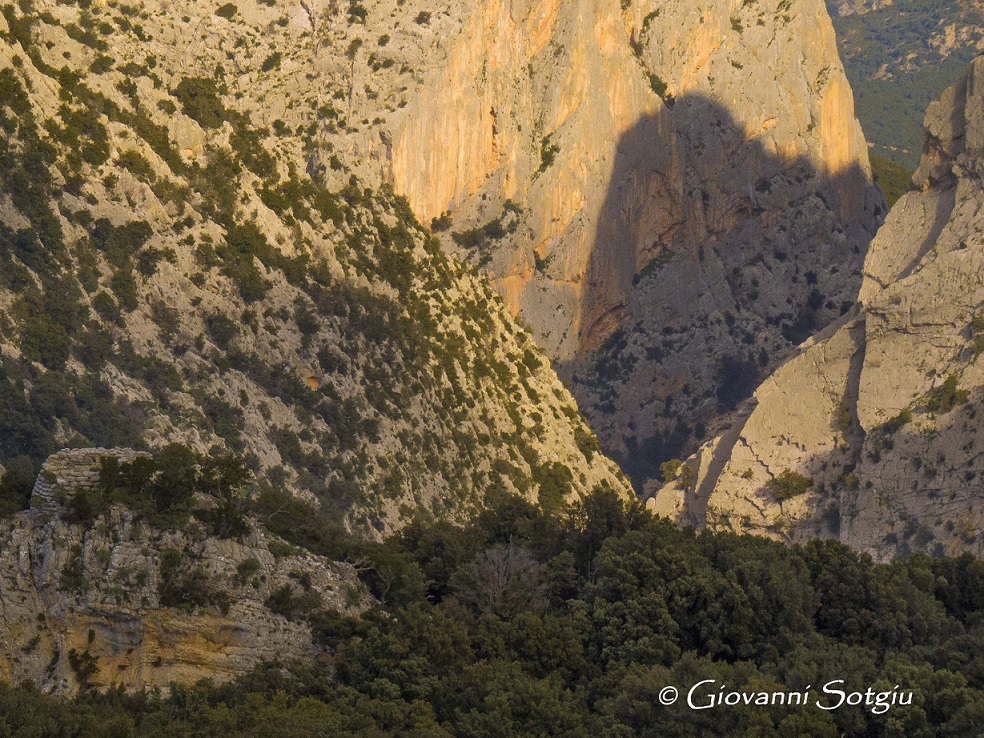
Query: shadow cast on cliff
{"type": "Point", "coordinates": [715, 254]}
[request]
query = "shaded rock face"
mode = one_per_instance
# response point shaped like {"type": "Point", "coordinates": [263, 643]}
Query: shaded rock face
{"type": "Point", "coordinates": [760, 260]}
{"type": "Point", "coordinates": [879, 412]}
{"type": "Point", "coordinates": [659, 170]}
{"type": "Point", "coordinates": [124, 604]}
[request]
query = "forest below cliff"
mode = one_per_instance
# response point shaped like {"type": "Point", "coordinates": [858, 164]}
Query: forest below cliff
{"type": "Point", "coordinates": [899, 57]}
{"type": "Point", "coordinates": [571, 622]}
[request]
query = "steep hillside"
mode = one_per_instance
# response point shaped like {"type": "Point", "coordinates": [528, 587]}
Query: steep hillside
{"type": "Point", "coordinates": [193, 251]}
{"type": "Point", "coordinates": [869, 434]}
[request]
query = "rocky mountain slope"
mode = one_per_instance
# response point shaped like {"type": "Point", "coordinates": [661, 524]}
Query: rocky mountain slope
{"type": "Point", "coordinates": [196, 245]}
{"type": "Point", "coordinates": [670, 196]}
{"type": "Point", "coordinates": [869, 434]}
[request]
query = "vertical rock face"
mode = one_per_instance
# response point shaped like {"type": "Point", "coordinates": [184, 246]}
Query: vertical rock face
{"type": "Point", "coordinates": [528, 104]}
{"type": "Point", "coordinates": [877, 418]}
{"type": "Point", "coordinates": [672, 191]}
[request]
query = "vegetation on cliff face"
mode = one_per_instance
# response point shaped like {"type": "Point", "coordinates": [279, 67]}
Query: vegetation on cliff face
{"type": "Point", "coordinates": [175, 266]}
{"type": "Point", "coordinates": [526, 623]}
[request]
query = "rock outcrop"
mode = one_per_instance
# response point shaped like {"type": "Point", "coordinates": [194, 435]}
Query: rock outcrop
{"type": "Point", "coordinates": [122, 603]}
{"type": "Point", "coordinates": [869, 434]}
{"type": "Point", "coordinates": [857, 7]}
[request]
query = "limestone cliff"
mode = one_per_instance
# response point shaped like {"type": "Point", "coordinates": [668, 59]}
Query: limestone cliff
{"type": "Point", "coordinates": [686, 183]}
{"type": "Point", "coordinates": [557, 106]}
{"type": "Point", "coordinates": [869, 433]}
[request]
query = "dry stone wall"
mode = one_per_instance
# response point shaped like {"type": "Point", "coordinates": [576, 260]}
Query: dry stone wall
{"type": "Point", "coordinates": [72, 470]}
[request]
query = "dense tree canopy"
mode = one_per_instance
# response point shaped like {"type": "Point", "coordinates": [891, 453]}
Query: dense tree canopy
{"type": "Point", "coordinates": [533, 623]}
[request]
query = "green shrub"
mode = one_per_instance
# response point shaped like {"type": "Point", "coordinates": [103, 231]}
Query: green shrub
{"type": "Point", "coordinates": [248, 145]}
{"type": "Point", "coordinates": [244, 241]}
{"type": "Point", "coordinates": [894, 424]}
{"type": "Point", "coordinates": [221, 330]}
{"type": "Point", "coordinates": [587, 443]}
{"type": "Point", "coordinates": [199, 99]}
{"type": "Point", "coordinates": [12, 93]}
{"type": "Point", "coordinates": [101, 64]}
{"type": "Point", "coordinates": [788, 484]}
{"type": "Point", "coordinates": [356, 12]}
{"type": "Point", "coordinates": [548, 152]}
{"type": "Point", "coordinates": [186, 588]}
{"type": "Point", "coordinates": [16, 485]}
{"type": "Point", "coordinates": [87, 37]}
{"type": "Point", "coordinates": [44, 340]}
{"type": "Point", "coordinates": [554, 482]}
{"type": "Point", "coordinates": [148, 259]}
{"type": "Point", "coordinates": [659, 87]}
{"type": "Point", "coordinates": [106, 306]}
{"type": "Point", "coordinates": [293, 605]}
{"type": "Point", "coordinates": [653, 266]}
{"type": "Point", "coordinates": [226, 11]}
{"type": "Point", "coordinates": [944, 398]}
{"type": "Point", "coordinates": [84, 664]}
{"type": "Point", "coordinates": [137, 164]}
{"type": "Point", "coordinates": [893, 178]}
{"type": "Point", "coordinates": [441, 223]}
{"type": "Point", "coordinates": [271, 62]}
{"type": "Point", "coordinates": [977, 329]}
{"type": "Point", "coordinates": [670, 469]}
{"type": "Point", "coordinates": [94, 347]}
{"type": "Point", "coordinates": [124, 287]}
{"type": "Point", "coordinates": [246, 569]}
{"type": "Point", "coordinates": [120, 243]}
